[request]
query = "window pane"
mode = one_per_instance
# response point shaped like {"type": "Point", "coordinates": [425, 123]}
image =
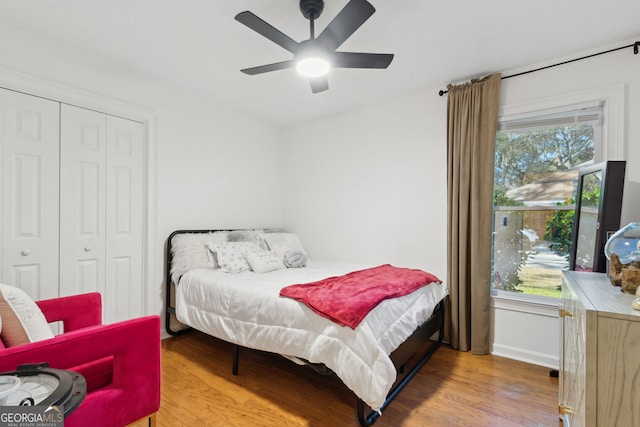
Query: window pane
{"type": "Point", "coordinates": [525, 259]}
{"type": "Point", "coordinates": [536, 174]}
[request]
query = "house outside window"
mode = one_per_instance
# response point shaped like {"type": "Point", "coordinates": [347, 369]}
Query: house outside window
{"type": "Point", "coordinates": [537, 160]}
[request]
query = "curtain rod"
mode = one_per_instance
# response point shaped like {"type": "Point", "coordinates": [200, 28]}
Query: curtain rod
{"type": "Point", "coordinates": [635, 46]}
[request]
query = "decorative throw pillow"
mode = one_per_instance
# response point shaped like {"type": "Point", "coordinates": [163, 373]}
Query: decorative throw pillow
{"type": "Point", "coordinates": [264, 262]}
{"type": "Point", "coordinates": [295, 259]}
{"type": "Point", "coordinates": [22, 320]}
{"type": "Point", "coordinates": [230, 256]}
{"type": "Point", "coordinates": [281, 243]}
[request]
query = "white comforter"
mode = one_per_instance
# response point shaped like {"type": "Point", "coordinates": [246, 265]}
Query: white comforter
{"type": "Point", "coordinates": [246, 309]}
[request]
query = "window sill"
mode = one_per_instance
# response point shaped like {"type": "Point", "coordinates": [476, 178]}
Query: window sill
{"type": "Point", "coordinates": [532, 304]}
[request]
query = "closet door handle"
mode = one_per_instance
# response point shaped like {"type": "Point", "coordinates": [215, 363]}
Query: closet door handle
{"type": "Point", "coordinates": [25, 252]}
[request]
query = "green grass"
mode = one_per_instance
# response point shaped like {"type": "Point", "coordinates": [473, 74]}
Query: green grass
{"type": "Point", "coordinates": [534, 290]}
{"type": "Point", "coordinates": [540, 281]}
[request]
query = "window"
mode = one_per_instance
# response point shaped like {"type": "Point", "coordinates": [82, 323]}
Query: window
{"type": "Point", "coordinates": [536, 170]}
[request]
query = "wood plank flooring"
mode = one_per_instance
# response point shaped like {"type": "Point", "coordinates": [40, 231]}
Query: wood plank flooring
{"type": "Point", "coordinates": [452, 389]}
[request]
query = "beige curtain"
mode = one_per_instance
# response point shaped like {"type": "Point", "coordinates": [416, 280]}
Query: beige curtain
{"type": "Point", "coordinates": [471, 133]}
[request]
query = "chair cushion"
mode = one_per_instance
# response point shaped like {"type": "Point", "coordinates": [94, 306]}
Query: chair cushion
{"type": "Point", "coordinates": [22, 320]}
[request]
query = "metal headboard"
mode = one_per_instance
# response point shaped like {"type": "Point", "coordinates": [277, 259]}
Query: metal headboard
{"type": "Point", "coordinates": [172, 325]}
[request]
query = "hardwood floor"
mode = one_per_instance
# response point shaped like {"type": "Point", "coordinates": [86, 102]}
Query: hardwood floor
{"type": "Point", "coordinates": [452, 389]}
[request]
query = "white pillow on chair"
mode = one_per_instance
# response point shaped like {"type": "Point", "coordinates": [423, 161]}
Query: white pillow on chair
{"type": "Point", "coordinates": [22, 320]}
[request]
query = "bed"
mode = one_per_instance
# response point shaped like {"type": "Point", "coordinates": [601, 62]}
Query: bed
{"type": "Point", "coordinates": [210, 289]}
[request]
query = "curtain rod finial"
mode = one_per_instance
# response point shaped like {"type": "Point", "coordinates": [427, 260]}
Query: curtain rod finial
{"type": "Point", "coordinates": [442, 92]}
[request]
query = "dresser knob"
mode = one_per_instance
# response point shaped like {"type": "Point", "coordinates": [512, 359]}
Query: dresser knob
{"type": "Point", "coordinates": [87, 249]}
{"type": "Point", "coordinates": [25, 252]}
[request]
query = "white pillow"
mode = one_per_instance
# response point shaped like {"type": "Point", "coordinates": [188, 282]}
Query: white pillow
{"type": "Point", "coordinates": [281, 243]}
{"type": "Point", "coordinates": [22, 320]}
{"type": "Point", "coordinates": [230, 256]}
{"type": "Point", "coordinates": [264, 262]}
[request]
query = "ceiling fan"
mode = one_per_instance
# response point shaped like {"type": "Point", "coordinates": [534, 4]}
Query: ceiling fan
{"type": "Point", "coordinates": [314, 57]}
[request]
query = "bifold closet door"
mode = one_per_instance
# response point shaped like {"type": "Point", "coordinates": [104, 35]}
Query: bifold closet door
{"type": "Point", "coordinates": [124, 219]}
{"type": "Point", "coordinates": [29, 154]}
{"type": "Point", "coordinates": [102, 210]}
{"type": "Point", "coordinates": [83, 145]}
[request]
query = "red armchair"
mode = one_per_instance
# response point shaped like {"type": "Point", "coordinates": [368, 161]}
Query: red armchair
{"type": "Point", "coordinates": [120, 362]}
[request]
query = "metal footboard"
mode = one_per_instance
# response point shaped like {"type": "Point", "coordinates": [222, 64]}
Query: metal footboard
{"type": "Point", "coordinates": [435, 324]}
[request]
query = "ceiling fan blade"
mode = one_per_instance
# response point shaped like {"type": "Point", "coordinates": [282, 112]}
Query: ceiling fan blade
{"type": "Point", "coordinates": [267, 68]}
{"type": "Point", "coordinates": [350, 18]}
{"type": "Point", "coordinates": [267, 30]}
{"type": "Point", "coordinates": [319, 84]}
{"type": "Point", "coordinates": [361, 60]}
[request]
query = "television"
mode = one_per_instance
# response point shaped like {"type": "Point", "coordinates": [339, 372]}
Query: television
{"type": "Point", "coordinates": [597, 214]}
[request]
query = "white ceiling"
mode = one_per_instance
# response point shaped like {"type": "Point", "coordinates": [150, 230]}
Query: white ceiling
{"type": "Point", "coordinates": [197, 44]}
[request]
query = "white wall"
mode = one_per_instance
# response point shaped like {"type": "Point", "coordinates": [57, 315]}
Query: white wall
{"type": "Point", "coordinates": [216, 167]}
{"type": "Point", "coordinates": [371, 185]}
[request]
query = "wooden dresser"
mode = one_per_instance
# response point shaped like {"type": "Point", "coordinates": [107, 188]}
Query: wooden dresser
{"type": "Point", "coordinates": [600, 353]}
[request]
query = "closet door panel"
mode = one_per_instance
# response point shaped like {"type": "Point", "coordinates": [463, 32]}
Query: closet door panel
{"type": "Point", "coordinates": [83, 146]}
{"type": "Point", "coordinates": [29, 153]}
{"type": "Point", "coordinates": [125, 214]}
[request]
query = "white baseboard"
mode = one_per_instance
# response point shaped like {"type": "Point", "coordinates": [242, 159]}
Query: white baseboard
{"type": "Point", "coordinates": [535, 358]}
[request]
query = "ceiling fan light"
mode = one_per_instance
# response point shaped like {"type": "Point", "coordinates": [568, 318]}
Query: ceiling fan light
{"type": "Point", "coordinates": [313, 66]}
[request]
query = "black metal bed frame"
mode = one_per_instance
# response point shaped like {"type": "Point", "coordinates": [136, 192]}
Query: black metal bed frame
{"type": "Point", "coordinates": [412, 346]}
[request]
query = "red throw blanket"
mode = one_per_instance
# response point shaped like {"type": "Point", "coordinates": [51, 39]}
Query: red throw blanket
{"type": "Point", "coordinates": [348, 299]}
